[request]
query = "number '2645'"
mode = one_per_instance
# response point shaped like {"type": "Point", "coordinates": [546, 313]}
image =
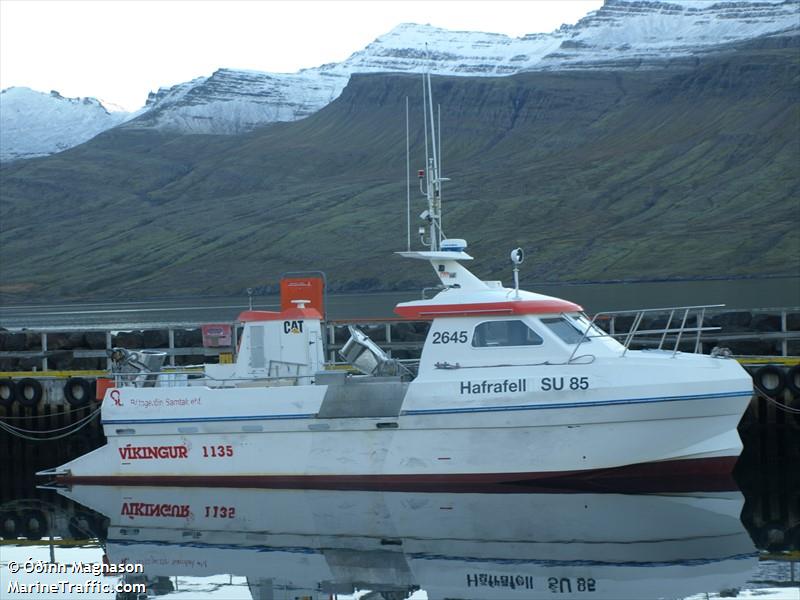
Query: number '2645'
{"type": "Point", "coordinates": [450, 337]}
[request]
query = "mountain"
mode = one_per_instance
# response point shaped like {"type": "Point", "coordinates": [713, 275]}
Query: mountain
{"type": "Point", "coordinates": [686, 172]}
{"type": "Point", "coordinates": [231, 101]}
{"type": "Point", "coordinates": [37, 124]}
{"type": "Point", "coordinates": [623, 34]}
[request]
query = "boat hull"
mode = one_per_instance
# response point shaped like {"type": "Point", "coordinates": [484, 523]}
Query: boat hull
{"type": "Point", "coordinates": [364, 454]}
{"type": "Point", "coordinates": [379, 435]}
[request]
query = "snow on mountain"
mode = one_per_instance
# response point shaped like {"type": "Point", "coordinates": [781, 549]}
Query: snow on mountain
{"type": "Point", "coordinates": [37, 124]}
{"type": "Point", "coordinates": [621, 34]}
{"type": "Point", "coordinates": [231, 101]}
{"type": "Point", "coordinates": [630, 32]}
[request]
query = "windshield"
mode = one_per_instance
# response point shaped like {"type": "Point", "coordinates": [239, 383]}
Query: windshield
{"type": "Point", "coordinates": [564, 329]}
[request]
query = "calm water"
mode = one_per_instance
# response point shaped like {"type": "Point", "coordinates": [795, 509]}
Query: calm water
{"type": "Point", "coordinates": [289, 544]}
{"type": "Point", "coordinates": [300, 543]}
{"type": "Point", "coordinates": [735, 294]}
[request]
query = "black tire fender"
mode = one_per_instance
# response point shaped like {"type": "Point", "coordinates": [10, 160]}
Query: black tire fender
{"type": "Point", "coordinates": [29, 391]}
{"type": "Point", "coordinates": [10, 525]}
{"type": "Point", "coordinates": [770, 380]}
{"type": "Point", "coordinates": [34, 524]}
{"type": "Point", "coordinates": [78, 391]}
{"type": "Point", "coordinates": [8, 392]}
{"type": "Point", "coordinates": [793, 380]}
{"type": "Point", "coordinates": [773, 536]}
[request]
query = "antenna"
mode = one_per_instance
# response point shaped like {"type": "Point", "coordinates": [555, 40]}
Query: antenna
{"type": "Point", "coordinates": [439, 170]}
{"type": "Point", "coordinates": [432, 173]}
{"type": "Point", "coordinates": [433, 177]}
{"type": "Point", "coordinates": [425, 121]}
{"type": "Point", "coordinates": [408, 186]}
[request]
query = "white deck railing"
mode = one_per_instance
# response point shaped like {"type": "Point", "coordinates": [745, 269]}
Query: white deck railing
{"type": "Point", "coordinates": [676, 314]}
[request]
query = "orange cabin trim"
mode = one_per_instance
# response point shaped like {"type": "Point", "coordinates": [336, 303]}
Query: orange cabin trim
{"type": "Point", "coordinates": [520, 307]}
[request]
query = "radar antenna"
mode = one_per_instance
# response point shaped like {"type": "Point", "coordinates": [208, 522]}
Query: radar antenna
{"type": "Point", "coordinates": [432, 174]}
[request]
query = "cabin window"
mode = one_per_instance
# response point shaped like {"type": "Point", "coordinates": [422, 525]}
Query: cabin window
{"type": "Point", "coordinates": [565, 329]}
{"type": "Point", "coordinates": [491, 334]}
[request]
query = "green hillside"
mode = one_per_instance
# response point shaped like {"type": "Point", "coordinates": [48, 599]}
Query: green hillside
{"type": "Point", "coordinates": [666, 173]}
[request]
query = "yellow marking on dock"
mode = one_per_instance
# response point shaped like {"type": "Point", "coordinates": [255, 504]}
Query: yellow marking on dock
{"type": "Point", "coordinates": [790, 556]}
{"type": "Point", "coordinates": [53, 374]}
{"type": "Point", "coordinates": [786, 361]}
{"type": "Point", "coordinates": [68, 374]}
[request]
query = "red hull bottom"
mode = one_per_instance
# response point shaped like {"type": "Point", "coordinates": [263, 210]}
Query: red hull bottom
{"type": "Point", "coordinates": [705, 474]}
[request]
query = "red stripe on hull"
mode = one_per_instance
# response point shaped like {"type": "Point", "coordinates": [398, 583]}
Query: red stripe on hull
{"type": "Point", "coordinates": [706, 474]}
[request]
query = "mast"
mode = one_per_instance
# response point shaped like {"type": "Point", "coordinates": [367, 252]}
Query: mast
{"type": "Point", "coordinates": [408, 185]}
{"type": "Point", "coordinates": [432, 173]}
{"type": "Point", "coordinates": [439, 167]}
{"type": "Point", "coordinates": [433, 178]}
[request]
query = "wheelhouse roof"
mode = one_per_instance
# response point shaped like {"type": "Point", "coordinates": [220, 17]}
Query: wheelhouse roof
{"type": "Point", "coordinates": [491, 302]}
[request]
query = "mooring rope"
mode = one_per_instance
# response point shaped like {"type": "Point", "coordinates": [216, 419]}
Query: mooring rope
{"type": "Point", "coordinates": [778, 404]}
{"type": "Point", "coordinates": [73, 428]}
{"type": "Point", "coordinates": [70, 426]}
{"type": "Point", "coordinates": [58, 414]}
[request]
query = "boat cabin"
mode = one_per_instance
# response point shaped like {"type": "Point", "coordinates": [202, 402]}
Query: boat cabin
{"type": "Point", "coordinates": [481, 323]}
{"type": "Point", "coordinates": [475, 324]}
{"type": "Point", "coordinates": [283, 347]}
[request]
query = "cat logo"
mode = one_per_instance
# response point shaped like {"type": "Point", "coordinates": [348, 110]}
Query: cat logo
{"type": "Point", "coordinates": [292, 327]}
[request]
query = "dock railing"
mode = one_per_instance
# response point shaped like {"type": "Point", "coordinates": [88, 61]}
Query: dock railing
{"type": "Point", "coordinates": [42, 352]}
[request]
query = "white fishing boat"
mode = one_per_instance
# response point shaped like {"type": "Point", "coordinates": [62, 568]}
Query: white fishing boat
{"type": "Point", "coordinates": [511, 386]}
{"type": "Point", "coordinates": [315, 543]}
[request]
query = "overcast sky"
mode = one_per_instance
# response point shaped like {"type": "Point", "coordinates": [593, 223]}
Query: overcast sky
{"type": "Point", "coordinates": [119, 50]}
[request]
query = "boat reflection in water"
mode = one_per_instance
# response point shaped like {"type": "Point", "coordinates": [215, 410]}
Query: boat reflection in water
{"type": "Point", "coordinates": [315, 543]}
